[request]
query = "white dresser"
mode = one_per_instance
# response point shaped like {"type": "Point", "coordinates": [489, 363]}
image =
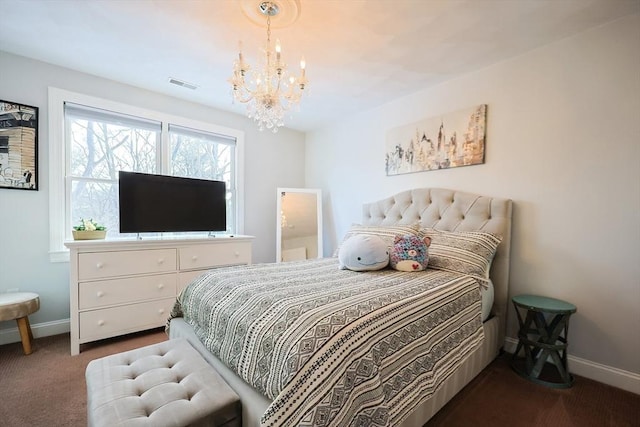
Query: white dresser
{"type": "Point", "coordinates": [123, 286]}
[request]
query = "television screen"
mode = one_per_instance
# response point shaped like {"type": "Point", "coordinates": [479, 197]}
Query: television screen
{"type": "Point", "coordinates": [161, 203]}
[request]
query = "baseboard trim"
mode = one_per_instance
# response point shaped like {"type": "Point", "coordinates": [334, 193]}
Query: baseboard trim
{"type": "Point", "coordinates": [615, 377]}
{"type": "Point", "coordinates": [39, 330]}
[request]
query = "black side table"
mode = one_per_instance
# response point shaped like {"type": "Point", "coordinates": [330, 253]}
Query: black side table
{"type": "Point", "coordinates": [543, 334]}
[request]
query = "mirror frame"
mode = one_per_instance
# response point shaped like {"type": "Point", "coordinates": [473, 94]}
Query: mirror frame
{"type": "Point", "coordinates": [279, 192]}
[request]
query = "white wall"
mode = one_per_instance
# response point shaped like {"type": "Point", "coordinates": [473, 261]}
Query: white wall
{"type": "Point", "coordinates": [24, 223]}
{"type": "Point", "coordinates": [563, 141]}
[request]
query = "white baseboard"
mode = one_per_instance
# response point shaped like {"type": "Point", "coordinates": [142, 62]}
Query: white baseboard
{"type": "Point", "coordinates": [595, 371]}
{"type": "Point", "coordinates": [39, 330]}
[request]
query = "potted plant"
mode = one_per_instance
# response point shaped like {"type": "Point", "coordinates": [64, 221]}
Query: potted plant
{"type": "Point", "coordinates": [88, 230]}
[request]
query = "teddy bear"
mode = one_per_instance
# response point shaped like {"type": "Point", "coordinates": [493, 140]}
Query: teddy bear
{"type": "Point", "coordinates": [362, 252]}
{"type": "Point", "coordinates": [409, 253]}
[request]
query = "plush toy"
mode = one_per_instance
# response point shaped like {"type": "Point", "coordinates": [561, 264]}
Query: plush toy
{"type": "Point", "coordinates": [362, 252]}
{"type": "Point", "coordinates": [409, 253]}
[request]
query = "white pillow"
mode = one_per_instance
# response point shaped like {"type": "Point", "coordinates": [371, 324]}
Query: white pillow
{"type": "Point", "coordinates": [487, 294]}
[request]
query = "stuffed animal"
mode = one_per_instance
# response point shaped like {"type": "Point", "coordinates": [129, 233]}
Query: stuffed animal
{"type": "Point", "coordinates": [409, 253]}
{"type": "Point", "coordinates": [362, 252]}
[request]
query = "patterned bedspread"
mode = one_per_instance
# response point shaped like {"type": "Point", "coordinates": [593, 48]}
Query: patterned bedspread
{"type": "Point", "coordinates": [335, 347]}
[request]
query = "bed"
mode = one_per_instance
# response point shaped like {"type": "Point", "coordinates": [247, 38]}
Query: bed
{"type": "Point", "coordinates": [326, 376]}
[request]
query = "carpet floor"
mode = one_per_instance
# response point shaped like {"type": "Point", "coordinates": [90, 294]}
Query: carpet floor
{"type": "Point", "coordinates": [47, 388]}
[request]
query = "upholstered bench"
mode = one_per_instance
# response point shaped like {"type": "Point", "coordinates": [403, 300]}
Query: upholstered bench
{"type": "Point", "coordinates": [165, 384]}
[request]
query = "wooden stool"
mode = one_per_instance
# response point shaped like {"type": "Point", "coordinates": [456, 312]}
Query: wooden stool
{"type": "Point", "coordinates": [18, 306]}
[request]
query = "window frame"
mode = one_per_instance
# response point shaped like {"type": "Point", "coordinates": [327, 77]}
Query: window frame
{"type": "Point", "coordinates": [59, 160]}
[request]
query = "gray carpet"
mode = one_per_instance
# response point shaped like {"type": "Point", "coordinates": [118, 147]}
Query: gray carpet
{"type": "Point", "coordinates": [47, 388]}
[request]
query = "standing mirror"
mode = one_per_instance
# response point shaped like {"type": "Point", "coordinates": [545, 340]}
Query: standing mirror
{"type": "Point", "coordinates": [299, 224]}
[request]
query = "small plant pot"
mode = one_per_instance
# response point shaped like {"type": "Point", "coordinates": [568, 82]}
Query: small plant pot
{"type": "Point", "coordinates": [88, 235]}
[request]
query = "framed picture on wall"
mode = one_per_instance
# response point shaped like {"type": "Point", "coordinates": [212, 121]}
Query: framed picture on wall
{"type": "Point", "coordinates": [446, 141]}
{"type": "Point", "coordinates": [18, 146]}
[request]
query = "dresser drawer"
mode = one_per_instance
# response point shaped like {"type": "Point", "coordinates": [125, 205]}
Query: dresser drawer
{"type": "Point", "coordinates": [118, 291]}
{"type": "Point", "coordinates": [109, 322]}
{"type": "Point", "coordinates": [215, 255]}
{"type": "Point", "coordinates": [97, 265]}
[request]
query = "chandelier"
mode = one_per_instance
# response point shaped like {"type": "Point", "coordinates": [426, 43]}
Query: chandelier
{"type": "Point", "coordinates": [271, 91]}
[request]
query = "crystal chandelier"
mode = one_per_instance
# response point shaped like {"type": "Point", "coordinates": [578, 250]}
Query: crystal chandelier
{"type": "Point", "coordinates": [271, 91]}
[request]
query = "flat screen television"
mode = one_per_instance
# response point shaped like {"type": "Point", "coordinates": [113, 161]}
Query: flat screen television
{"type": "Point", "coordinates": [160, 203]}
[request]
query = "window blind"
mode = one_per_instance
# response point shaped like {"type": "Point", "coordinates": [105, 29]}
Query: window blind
{"type": "Point", "coordinates": [208, 136]}
{"type": "Point", "coordinates": [83, 112]}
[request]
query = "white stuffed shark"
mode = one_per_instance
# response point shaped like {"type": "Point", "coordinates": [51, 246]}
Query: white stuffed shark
{"type": "Point", "coordinates": [362, 252]}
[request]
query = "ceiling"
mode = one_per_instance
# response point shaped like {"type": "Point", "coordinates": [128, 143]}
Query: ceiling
{"type": "Point", "coordinates": [359, 53]}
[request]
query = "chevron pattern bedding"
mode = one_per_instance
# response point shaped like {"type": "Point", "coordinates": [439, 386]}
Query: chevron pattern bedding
{"type": "Point", "coordinates": [335, 347]}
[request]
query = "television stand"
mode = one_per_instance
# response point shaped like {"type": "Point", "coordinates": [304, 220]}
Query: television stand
{"type": "Point", "coordinates": [123, 286]}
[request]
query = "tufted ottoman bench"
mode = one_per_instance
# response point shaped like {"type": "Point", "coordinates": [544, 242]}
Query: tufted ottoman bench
{"type": "Point", "coordinates": [165, 384]}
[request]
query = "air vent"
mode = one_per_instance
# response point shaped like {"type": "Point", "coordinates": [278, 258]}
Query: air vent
{"type": "Point", "coordinates": [182, 83]}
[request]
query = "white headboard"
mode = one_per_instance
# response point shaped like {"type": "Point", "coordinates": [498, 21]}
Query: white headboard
{"type": "Point", "coordinates": [451, 210]}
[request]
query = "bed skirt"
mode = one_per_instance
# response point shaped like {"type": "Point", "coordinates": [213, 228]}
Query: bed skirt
{"type": "Point", "coordinates": [255, 404]}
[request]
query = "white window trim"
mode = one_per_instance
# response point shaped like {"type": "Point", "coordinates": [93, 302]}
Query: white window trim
{"type": "Point", "coordinates": [59, 158]}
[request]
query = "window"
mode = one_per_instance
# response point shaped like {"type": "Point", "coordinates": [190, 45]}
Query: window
{"type": "Point", "coordinates": [100, 144]}
{"type": "Point", "coordinates": [97, 138]}
{"type": "Point", "coordinates": [203, 155]}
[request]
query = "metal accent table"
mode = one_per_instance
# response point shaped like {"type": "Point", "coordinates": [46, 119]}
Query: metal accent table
{"type": "Point", "coordinates": [543, 334]}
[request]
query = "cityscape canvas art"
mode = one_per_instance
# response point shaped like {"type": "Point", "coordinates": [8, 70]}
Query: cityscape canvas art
{"type": "Point", "coordinates": [447, 141]}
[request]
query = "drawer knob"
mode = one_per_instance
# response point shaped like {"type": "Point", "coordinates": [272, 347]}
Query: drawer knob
{"type": "Point", "coordinates": [100, 322]}
{"type": "Point", "coordinates": [237, 254]}
{"type": "Point", "coordinates": [161, 261]}
{"type": "Point", "coordinates": [161, 311]}
{"type": "Point", "coordinates": [99, 294]}
{"type": "Point", "coordinates": [194, 258]}
{"type": "Point", "coordinates": [160, 285]}
{"type": "Point", "coordinates": [99, 265]}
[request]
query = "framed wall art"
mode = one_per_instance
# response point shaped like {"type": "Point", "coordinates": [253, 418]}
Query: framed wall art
{"type": "Point", "coordinates": [451, 140]}
{"type": "Point", "coordinates": [18, 146]}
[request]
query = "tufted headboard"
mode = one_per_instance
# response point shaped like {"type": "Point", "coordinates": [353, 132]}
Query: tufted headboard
{"type": "Point", "coordinates": [451, 210]}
